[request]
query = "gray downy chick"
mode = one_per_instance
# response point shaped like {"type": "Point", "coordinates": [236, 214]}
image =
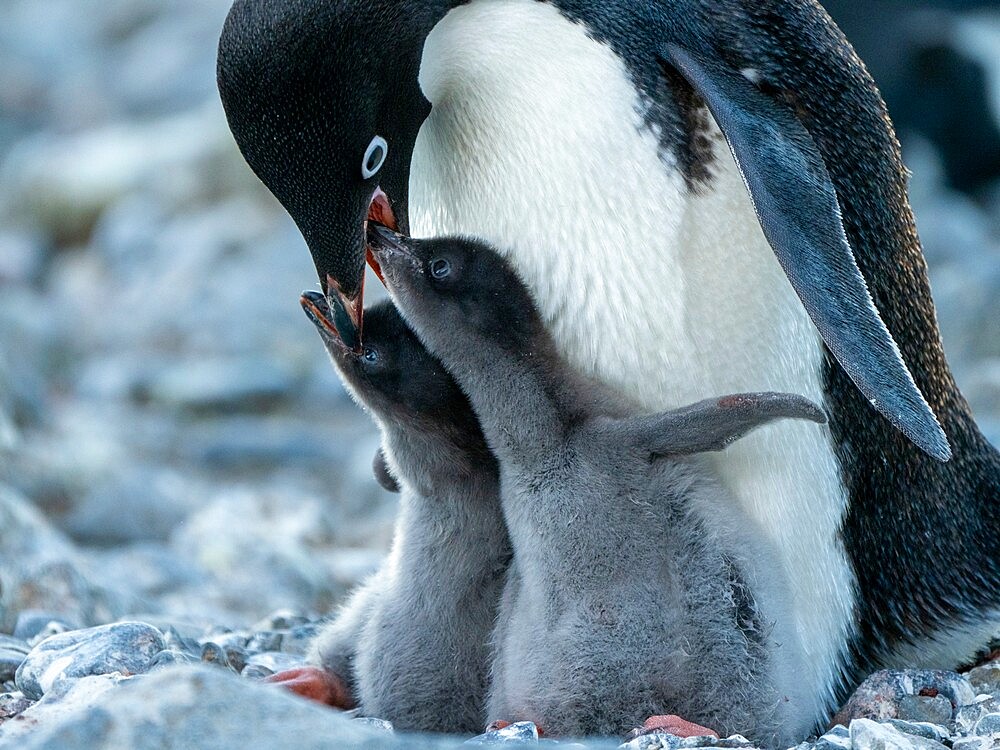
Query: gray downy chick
{"type": "Point", "coordinates": [638, 587]}
{"type": "Point", "coordinates": [413, 640]}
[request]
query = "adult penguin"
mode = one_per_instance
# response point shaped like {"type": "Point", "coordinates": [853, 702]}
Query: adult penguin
{"type": "Point", "coordinates": [588, 141]}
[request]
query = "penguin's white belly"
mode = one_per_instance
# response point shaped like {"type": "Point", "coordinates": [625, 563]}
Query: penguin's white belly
{"type": "Point", "coordinates": [537, 144]}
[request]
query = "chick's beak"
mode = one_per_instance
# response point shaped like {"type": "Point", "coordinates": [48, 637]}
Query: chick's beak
{"type": "Point", "coordinates": [346, 310]}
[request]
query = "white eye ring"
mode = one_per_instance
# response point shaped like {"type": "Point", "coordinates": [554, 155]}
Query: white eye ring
{"type": "Point", "coordinates": [375, 155]}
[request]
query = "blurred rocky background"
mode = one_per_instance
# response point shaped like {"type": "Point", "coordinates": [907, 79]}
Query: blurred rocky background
{"type": "Point", "coordinates": [173, 442]}
{"type": "Point", "coordinates": [164, 403]}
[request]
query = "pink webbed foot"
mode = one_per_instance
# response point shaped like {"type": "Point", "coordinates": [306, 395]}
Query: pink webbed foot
{"type": "Point", "coordinates": [671, 724]}
{"type": "Point", "coordinates": [315, 684]}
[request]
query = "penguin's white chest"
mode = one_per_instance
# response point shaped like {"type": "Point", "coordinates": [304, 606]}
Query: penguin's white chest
{"type": "Point", "coordinates": [536, 143]}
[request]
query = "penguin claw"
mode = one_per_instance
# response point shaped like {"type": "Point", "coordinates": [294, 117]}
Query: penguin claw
{"type": "Point", "coordinates": [671, 724]}
{"type": "Point", "coordinates": [315, 684]}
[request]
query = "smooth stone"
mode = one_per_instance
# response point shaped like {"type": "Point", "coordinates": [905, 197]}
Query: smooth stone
{"type": "Point", "coordinates": [380, 725]}
{"type": "Point", "coordinates": [520, 731]}
{"type": "Point", "coordinates": [170, 658]}
{"type": "Point", "coordinates": [975, 743]}
{"type": "Point", "coordinates": [54, 627]}
{"type": "Point", "coordinates": [275, 660]}
{"type": "Point", "coordinates": [932, 710]}
{"type": "Point", "coordinates": [299, 639]}
{"type": "Point", "coordinates": [12, 704]}
{"type": "Point", "coordinates": [198, 708]}
{"type": "Point", "coordinates": [12, 643]}
{"type": "Point", "coordinates": [32, 622]}
{"type": "Point", "coordinates": [881, 696]}
{"type": "Point", "coordinates": [10, 660]}
{"type": "Point", "coordinates": [734, 741]}
{"type": "Point", "coordinates": [264, 641]}
{"type": "Point", "coordinates": [68, 697]}
{"type": "Point", "coordinates": [172, 639]}
{"type": "Point", "coordinates": [871, 735]}
{"type": "Point", "coordinates": [212, 653]}
{"type": "Point", "coordinates": [256, 672]}
{"type": "Point", "coordinates": [654, 741]}
{"type": "Point", "coordinates": [237, 657]}
{"type": "Point", "coordinates": [925, 729]}
{"type": "Point", "coordinates": [125, 647]}
{"type": "Point", "coordinates": [988, 725]}
{"type": "Point", "coordinates": [986, 678]}
{"type": "Point", "coordinates": [967, 716]}
{"type": "Point", "coordinates": [232, 639]}
{"type": "Point", "coordinates": [282, 619]}
{"type": "Point", "coordinates": [836, 738]}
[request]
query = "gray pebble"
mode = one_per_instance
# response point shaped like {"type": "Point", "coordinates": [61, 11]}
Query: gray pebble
{"type": "Point", "coordinates": [300, 638]}
{"type": "Point", "coordinates": [837, 737]}
{"type": "Point", "coordinates": [655, 741]}
{"type": "Point", "coordinates": [380, 725]}
{"type": "Point", "coordinates": [735, 741]}
{"type": "Point", "coordinates": [933, 710]}
{"type": "Point", "coordinates": [282, 619]}
{"type": "Point", "coordinates": [172, 639]}
{"type": "Point", "coordinates": [276, 661]}
{"type": "Point", "coordinates": [212, 653]}
{"type": "Point", "coordinates": [870, 735]}
{"type": "Point", "coordinates": [231, 639]}
{"type": "Point", "coordinates": [32, 623]}
{"type": "Point", "coordinates": [10, 660]}
{"type": "Point", "coordinates": [11, 643]}
{"type": "Point", "coordinates": [11, 704]}
{"type": "Point", "coordinates": [237, 657]}
{"type": "Point", "coordinates": [169, 658]}
{"type": "Point", "coordinates": [125, 647]}
{"type": "Point", "coordinates": [891, 694]}
{"type": "Point", "coordinates": [264, 640]}
{"type": "Point", "coordinates": [986, 679]}
{"type": "Point", "coordinates": [256, 672]}
{"type": "Point", "coordinates": [968, 716]}
{"type": "Point", "coordinates": [521, 731]}
{"type": "Point", "coordinates": [974, 743]}
{"type": "Point", "coordinates": [921, 729]}
{"type": "Point", "coordinates": [988, 725]}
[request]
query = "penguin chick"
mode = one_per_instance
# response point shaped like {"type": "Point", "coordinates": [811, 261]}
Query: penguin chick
{"type": "Point", "coordinates": [638, 588]}
{"type": "Point", "coordinates": [413, 641]}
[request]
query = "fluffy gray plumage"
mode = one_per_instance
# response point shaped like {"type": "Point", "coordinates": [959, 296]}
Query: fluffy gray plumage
{"type": "Point", "coordinates": [413, 641]}
{"type": "Point", "coordinates": [623, 602]}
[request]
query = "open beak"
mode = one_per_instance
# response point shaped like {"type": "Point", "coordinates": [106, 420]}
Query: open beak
{"type": "Point", "coordinates": [387, 247]}
{"type": "Point", "coordinates": [318, 310]}
{"type": "Point", "coordinates": [347, 311]}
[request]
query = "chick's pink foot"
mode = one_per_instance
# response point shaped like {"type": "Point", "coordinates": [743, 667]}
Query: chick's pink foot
{"type": "Point", "coordinates": [671, 724]}
{"type": "Point", "coordinates": [315, 684]}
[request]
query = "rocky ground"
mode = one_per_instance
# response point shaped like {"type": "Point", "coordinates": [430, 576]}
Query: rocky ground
{"type": "Point", "coordinates": [176, 452]}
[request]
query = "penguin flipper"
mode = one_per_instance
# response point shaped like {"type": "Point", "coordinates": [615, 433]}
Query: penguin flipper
{"type": "Point", "coordinates": [382, 473]}
{"type": "Point", "coordinates": [797, 207]}
{"type": "Point", "coordinates": [712, 424]}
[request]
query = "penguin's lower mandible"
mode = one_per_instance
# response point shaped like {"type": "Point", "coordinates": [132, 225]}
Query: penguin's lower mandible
{"type": "Point", "coordinates": [704, 197]}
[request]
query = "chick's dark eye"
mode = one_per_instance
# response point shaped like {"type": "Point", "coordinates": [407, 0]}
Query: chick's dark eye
{"type": "Point", "coordinates": [370, 355]}
{"type": "Point", "coordinates": [440, 268]}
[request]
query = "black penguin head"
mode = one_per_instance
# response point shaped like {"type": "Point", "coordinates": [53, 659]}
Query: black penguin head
{"type": "Point", "coordinates": [323, 100]}
{"type": "Point", "coordinates": [458, 284]}
{"type": "Point", "coordinates": [396, 377]}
